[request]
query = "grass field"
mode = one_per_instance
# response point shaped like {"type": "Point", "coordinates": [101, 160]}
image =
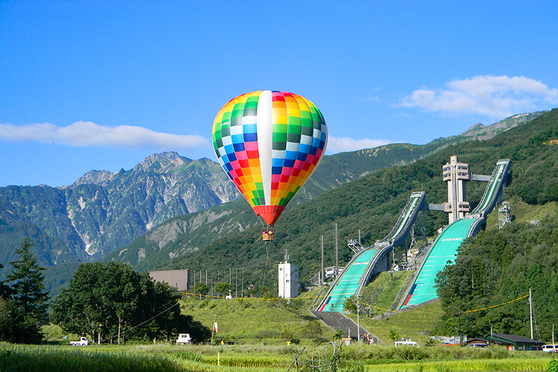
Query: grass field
{"type": "Point", "coordinates": [481, 365]}
{"type": "Point", "coordinates": [255, 320]}
{"type": "Point", "coordinates": [246, 358]}
{"type": "Point", "coordinates": [252, 337]}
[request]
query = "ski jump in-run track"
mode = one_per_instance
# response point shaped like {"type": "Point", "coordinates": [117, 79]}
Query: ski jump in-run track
{"type": "Point", "coordinates": [445, 247]}
{"type": "Point", "coordinates": [371, 259]}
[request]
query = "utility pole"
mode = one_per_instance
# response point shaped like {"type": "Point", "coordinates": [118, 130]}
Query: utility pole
{"type": "Point", "coordinates": [531, 312]}
{"type": "Point", "coordinates": [358, 320]}
{"type": "Point", "coordinates": [336, 254]}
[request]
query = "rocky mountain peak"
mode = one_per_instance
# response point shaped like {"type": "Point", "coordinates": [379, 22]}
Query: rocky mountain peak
{"type": "Point", "coordinates": [162, 162]}
{"type": "Point", "coordinates": [474, 128]}
{"type": "Point", "coordinates": [101, 178]}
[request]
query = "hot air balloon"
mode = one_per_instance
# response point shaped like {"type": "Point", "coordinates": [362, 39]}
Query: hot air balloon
{"type": "Point", "coordinates": [268, 143]}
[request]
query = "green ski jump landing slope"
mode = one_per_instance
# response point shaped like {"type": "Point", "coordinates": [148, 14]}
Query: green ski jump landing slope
{"type": "Point", "coordinates": [348, 283]}
{"type": "Point", "coordinates": [444, 250]}
{"type": "Point", "coordinates": [356, 271]}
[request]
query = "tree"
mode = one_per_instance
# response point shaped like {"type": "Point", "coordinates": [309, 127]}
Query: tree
{"type": "Point", "coordinates": [350, 305]}
{"type": "Point", "coordinates": [4, 289]}
{"type": "Point", "coordinates": [313, 329]}
{"type": "Point", "coordinates": [288, 335]}
{"type": "Point", "coordinates": [294, 305]}
{"type": "Point", "coordinates": [338, 334]}
{"type": "Point", "coordinates": [201, 289]}
{"type": "Point", "coordinates": [221, 288]}
{"type": "Point", "coordinates": [393, 335]}
{"type": "Point", "coordinates": [5, 320]}
{"type": "Point", "coordinates": [23, 301]}
{"type": "Point", "coordinates": [26, 284]}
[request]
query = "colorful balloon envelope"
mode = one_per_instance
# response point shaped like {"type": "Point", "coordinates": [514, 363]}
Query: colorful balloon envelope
{"type": "Point", "coordinates": [269, 143]}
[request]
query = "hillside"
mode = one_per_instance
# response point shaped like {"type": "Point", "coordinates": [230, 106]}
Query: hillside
{"type": "Point", "coordinates": [499, 266]}
{"type": "Point", "coordinates": [149, 251]}
{"type": "Point", "coordinates": [372, 203]}
{"type": "Point", "coordinates": [103, 211]}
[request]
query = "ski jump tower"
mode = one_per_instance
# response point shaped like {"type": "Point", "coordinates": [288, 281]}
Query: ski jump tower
{"type": "Point", "coordinates": [455, 174]}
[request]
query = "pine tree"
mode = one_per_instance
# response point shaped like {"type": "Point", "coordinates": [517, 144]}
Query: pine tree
{"type": "Point", "coordinates": [27, 290]}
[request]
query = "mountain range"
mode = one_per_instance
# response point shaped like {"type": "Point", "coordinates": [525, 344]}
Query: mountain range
{"type": "Point", "coordinates": [124, 215]}
{"type": "Point", "coordinates": [367, 208]}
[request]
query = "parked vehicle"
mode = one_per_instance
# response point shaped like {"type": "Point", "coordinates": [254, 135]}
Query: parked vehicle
{"type": "Point", "coordinates": [407, 342]}
{"type": "Point", "coordinates": [550, 348]}
{"type": "Point", "coordinates": [184, 338]}
{"type": "Point", "coordinates": [83, 342]}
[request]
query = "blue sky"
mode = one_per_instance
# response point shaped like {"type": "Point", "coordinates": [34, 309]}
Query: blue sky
{"type": "Point", "coordinates": [102, 84]}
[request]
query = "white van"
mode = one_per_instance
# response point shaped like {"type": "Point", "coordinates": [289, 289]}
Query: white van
{"type": "Point", "coordinates": [550, 348]}
{"type": "Point", "coordinates": [406, 342]}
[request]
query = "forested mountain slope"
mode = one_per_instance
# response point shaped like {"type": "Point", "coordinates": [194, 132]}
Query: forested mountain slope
{"type": "Point", "coordinates": [103, 211]}
{"type": "Point", "coordinates": [335, 170]}
{"type": "Point", "coordinates": [499, 266]}
{"type": "Point", "coordinates": [372, 204]}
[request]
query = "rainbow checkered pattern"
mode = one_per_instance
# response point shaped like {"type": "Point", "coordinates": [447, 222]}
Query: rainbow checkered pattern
{"type": "Point", "coordinates": [269, 142]}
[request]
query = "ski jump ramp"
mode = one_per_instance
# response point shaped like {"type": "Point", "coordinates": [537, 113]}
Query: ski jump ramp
{"type": "Point", "coordinates": [446, 245]}
{"type": "Point", "coordinates": [371, 259]}
{"type": "Point", "coordinates": [375, 258]}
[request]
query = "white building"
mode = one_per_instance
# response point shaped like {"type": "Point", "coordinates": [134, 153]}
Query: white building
{"type": "Point", "coordinates": [288, 279]}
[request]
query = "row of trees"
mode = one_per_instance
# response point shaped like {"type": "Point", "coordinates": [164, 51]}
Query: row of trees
{"type": "Point", "coordinates": [108, 302]}
{"type": "Point", "coordinates": [111, 301]}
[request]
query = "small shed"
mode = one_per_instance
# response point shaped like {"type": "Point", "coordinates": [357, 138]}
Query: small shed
{"type": "Point", "coordinates": [514, 342]}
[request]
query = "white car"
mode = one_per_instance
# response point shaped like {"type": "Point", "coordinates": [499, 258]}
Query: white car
{"type": "Point", "coordinates": [184, 338]}
{"type": "Point", "coordinates": [550, 348]}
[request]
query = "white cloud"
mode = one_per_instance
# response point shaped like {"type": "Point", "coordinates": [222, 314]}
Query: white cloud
{"type": "Point", "coordinates": [492, 96]}
{"type": "Point", "coordinates": [343, 144]}
{"type": "Point", "coordinates": [83, 134]}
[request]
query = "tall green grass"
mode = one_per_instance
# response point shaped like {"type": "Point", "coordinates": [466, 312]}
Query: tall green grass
{"type": "Point", "coordinates": [55, 359]}
{"type": "Point", "coordinates": [47, 358]}
{"type": "Point", "coordinates": [245, 358]}
{"type": "Point", "coordinates": [484, 365]}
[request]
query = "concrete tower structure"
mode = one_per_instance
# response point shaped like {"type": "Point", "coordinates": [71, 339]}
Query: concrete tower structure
{"type": "Point", "coordinates": [288, 279]}
{"type": "Point", "coordinates": [455, 174]}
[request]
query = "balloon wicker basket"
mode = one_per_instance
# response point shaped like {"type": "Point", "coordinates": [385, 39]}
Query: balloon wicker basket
{"type": "Point", "coordinates": [267, 236]}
